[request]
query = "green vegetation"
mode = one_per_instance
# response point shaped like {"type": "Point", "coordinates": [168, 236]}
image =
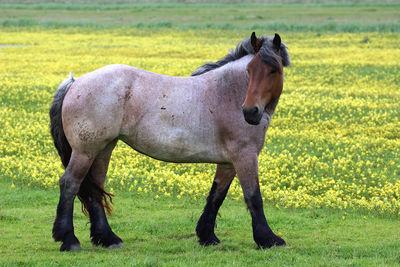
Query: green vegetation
{"type": "Point", "coordinates": [329, 171]}
{"type": "Point", "coordinates": [161, 233]}
{"type": "Point", "coordinates": [335, 17]}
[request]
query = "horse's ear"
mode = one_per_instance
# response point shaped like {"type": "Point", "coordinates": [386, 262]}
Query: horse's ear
{"type": "Point", "coordinates": [277, 42]}
{"type": "Point", "coordinates": [255, 43]}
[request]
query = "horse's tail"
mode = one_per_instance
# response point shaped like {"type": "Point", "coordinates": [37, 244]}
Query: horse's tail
{"type": "Point", "coordinates": [88, 188]}
{"type": "Point", "coordinates": [56, 125]}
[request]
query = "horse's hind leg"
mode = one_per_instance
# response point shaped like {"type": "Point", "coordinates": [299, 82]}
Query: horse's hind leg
{"type": "Point", "coordinates": [63, 229]}
{"type": "Point", "coordinates": [205, 226]}
{"type": "Point", "coordinates": [93, 196]}
{"type": "Point", "coordinates": [247, 170]}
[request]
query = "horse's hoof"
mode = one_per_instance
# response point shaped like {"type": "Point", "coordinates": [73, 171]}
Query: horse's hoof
{"type": "Point", "coordinates": [73, 247]}
{"type": "Point", "coordinates": [212, 241]}
{"type": "Point", "coordinates": [107, 240]}
{"type": "Point", "coordinates": [265, 238]}
{"type": "Point", "coordinates": [275, 241]}
{"type": "Point", "coordinates": [113, 246]}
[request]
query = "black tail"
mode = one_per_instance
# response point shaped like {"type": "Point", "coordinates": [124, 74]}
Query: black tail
{"type": "Point", "coordinates": [88, 188]}
{"type": "Point", "coordinates": [56, 125]}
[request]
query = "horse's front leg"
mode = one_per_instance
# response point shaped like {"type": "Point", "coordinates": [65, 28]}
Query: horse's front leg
{"type": "Point", "coordinates": [247, 169]}
{"type": "Point", "coordinates": [205, 226]}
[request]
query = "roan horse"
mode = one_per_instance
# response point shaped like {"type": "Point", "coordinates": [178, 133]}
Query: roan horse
{"type": "Point", "coordinates": [218, 115]}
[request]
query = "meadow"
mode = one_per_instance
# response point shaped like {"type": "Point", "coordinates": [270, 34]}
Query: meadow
{"type": "Point", "coordinates": [329, 172]}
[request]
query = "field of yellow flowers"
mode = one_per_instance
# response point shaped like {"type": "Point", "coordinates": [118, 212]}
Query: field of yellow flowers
{"type": "Point", "coordinates": [334, 140]}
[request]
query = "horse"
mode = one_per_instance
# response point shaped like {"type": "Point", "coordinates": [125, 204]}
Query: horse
{"type": "Point", "coordinates": [220, 114]}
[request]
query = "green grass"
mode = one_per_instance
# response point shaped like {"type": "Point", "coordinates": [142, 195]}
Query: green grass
{"type": "Point", "coordinates": [161, 233]}
{"type": "Point", "coordinates": [334, 17]}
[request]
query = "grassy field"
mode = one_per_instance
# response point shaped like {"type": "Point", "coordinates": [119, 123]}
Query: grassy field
{"type": "Point", "coordinates": [329, 171]}
{"type": "Point", "coordinates": [161, 233]}
{"type": "Point", "coordinates": [348, 17]}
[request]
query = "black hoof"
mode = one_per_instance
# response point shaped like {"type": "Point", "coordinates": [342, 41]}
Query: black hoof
{"type": "Point", "coordinates": [212, 240]}
{"type": "Point", "coordinates": [113, 246]}
{"type": "Point", "coordinates": [267, 239]}
{"type": "Point", "coordinates": [67, 237]}
{"type": "Point", "coordinates": [73, 247]}
{"type": "Point", "coordinates": [205, 232]}
{"type": "Point", "coordinates": [70, 244]}
{"type": "Point", "coordinates": [275, 241]}
{"type": "Point", "coordinates": [107, 240]}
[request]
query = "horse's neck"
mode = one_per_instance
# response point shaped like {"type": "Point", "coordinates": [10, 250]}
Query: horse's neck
{"type": "Point", "coordinates": [236, 68]}
{"type": "Point", "coordinates": [233, 78]}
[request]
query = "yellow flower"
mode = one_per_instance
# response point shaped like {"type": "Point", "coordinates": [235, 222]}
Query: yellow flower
{"type": "Point", "coordinates": [333, 140]}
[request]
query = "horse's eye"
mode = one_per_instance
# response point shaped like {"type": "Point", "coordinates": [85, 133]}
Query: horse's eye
{"type": "Point", "coordinates": [272, 71]}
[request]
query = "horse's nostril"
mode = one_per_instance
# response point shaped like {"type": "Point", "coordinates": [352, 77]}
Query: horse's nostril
{"type": "Point", "coordinates": [252, 115]}
{"type": "Point", "coordinates": [253, 111]}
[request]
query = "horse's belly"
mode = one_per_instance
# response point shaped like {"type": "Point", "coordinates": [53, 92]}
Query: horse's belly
{"type": "Point", "coordinates": [177, 145]}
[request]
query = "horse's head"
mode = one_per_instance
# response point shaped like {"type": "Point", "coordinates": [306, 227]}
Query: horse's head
{"type": "Point", "coordinates": [265, 76]}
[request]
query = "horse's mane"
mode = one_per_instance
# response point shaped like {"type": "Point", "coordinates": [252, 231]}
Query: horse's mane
{"type": "Point", "coordinates": [244, 48]}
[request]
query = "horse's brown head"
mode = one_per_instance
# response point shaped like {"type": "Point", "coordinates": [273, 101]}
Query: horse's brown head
{"type": "Point", "coordinates": [265, 77]}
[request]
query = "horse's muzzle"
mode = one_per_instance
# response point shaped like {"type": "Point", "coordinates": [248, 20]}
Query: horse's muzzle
{"type": "Point", "coordinates": [252, 115]}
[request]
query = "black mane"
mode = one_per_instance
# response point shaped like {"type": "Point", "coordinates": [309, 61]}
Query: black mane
{"type": "Point", "coordinates": [244, 48]}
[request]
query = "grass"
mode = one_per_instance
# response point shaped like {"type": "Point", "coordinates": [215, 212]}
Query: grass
{"type": "Point", "coordinates": [335, 134]}
{"type": "Point", "coordinates": [338, 17]}
{"type": "Point", "coordinates": [161, 233]}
